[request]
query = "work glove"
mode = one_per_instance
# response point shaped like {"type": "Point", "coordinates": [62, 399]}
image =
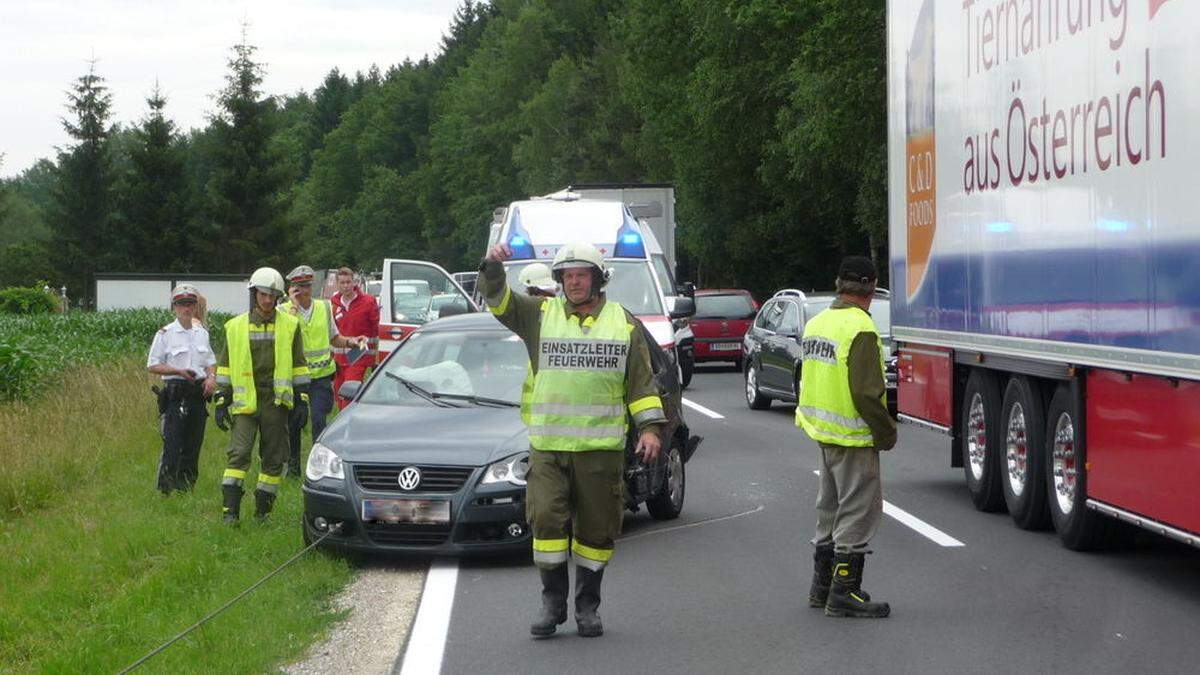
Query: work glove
{"type": "Point", "coordinates": [299, 414]}
{"type": "Point", "coordinates": [222, 417]}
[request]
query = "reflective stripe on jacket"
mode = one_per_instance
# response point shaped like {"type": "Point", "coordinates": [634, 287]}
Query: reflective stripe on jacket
{"type": "Point", "coordinates": [578, 398]}
{"type": "Point", "coordinates": [315, 330]}
{"type": "Point", "coordinates": [826, 408]}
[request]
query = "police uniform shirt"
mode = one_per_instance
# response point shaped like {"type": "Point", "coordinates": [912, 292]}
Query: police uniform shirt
{"type": "Point", "coordinates": [181, 347]}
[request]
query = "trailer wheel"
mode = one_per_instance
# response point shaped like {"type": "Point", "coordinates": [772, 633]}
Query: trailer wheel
{"type": "Point", "coordinates": [1024, 419]}
{"type": "Point", "coordinates": [1079, 528]}
{"type": "Point", "coordinates": [982, 440]}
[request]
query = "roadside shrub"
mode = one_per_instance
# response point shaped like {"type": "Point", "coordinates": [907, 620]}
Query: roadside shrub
{"type": "Point", "coordinates": [26, 301]}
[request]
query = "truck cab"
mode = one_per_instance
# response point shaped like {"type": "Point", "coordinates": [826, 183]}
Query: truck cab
{"type": "Point", "coordinates": [536, 228]}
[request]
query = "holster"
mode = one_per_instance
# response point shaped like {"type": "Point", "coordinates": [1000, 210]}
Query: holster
{"type": "Point", "coordinates": [160, 393]}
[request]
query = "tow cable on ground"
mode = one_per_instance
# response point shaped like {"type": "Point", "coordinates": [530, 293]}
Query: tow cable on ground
{"type": "Point", "coordinates": [696, 523]}
{"type": "Point", "coordinates": [161, 648]}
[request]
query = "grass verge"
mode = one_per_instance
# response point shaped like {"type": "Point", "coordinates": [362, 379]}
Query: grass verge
{"type": "Point", "coordinates": [99, 568]}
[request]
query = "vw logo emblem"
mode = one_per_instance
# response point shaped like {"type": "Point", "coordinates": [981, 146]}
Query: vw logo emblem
{"type": "Point", "coordinates": [409, 478]}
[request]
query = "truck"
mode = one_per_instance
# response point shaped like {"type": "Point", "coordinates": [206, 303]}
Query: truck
{"type": "Point", "coordinates": [1044, 255]}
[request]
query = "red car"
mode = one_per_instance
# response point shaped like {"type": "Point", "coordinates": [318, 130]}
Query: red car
{"type": "Point", "coordinates": [723, 315]}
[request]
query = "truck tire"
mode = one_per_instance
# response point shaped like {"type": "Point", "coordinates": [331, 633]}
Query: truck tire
{"type": "Point", "coordinates": [1079, 528]}
{"type": "Point", "coordinates": [668, 503]}
{"type": "Point", "coordinates": [1023, 415]}
{"type": "Point", "coordinates": [982, 440]}
{"type": "Point", "coordinates": [754, 398]}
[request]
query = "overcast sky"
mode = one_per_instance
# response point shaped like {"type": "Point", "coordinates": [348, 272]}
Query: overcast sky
{"type": "Point", "coordinates": [46, 44]}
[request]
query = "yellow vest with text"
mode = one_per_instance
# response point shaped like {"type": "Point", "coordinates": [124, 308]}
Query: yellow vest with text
{"type": "Point", "coordinates": [317, 350]}
{"type": "Point", "coordinates": [578, 398]}
{"type": "Point", "coordinates": [240, 371]}
{"type": "Point", "coordinates": [826, 408]}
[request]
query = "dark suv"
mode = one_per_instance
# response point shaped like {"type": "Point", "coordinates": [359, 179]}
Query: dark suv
{"type": "Point", "coordinates": [771, 348]}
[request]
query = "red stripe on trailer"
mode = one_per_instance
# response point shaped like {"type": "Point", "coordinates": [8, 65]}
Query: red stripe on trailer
{"type": "Point", "coordinates": [925, 383]}
{"type": "Point", "coordinates": [1143, 445]}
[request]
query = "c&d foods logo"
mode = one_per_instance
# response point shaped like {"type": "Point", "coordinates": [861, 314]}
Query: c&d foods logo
{"type": "Point", "coordinates": [920, 148]}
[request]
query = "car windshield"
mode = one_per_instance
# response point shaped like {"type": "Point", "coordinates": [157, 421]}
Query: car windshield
{"type": "Point", "coordinates": [632, 285]}
{"type": "Point", "coordinates": [421, 293]}
{"type": "Point", "coordinates": [732, 306]}
{"type": "Point", "coordinates": [487, 364]}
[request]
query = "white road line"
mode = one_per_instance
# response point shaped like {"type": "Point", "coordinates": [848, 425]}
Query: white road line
{"type": "Point", "coordinates": [427, 640]}
{"type": "Point", "coordinates": [702, 410]}
{"type": "Point", "coordinates": [921, 527]}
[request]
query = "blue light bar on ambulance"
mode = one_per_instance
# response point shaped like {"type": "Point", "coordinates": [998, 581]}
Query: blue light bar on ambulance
{"type": "Point", "coordinates": [518, 240]}
{"type": "Point", "coordinates": [629, 244]}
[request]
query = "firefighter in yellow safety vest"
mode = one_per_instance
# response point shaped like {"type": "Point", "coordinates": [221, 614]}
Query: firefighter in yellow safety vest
{"type": "Point", "coordinates": [591, 375]}
{"type": "Point", "coordinates": [261, 375]}
{"type": "Point", "coordinates": [320, 337]}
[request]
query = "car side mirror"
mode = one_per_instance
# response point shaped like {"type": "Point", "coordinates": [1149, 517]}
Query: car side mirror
{"type": "Point", "coordinates": [349, 389]}
{"type": "Point", "coordinates": [688, 289]}
{"type": "Point", "coordinates": [681, 307]}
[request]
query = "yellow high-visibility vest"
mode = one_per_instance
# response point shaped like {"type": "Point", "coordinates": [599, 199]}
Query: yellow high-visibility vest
{"type": "Point", "coordinates": [578, 397]}
{"type": "Point", "coordinates": [240, 371]}
{"type": "Point", "coordinates": [826, 409]}
{"type": "Point", "coordinates": [318, 352]}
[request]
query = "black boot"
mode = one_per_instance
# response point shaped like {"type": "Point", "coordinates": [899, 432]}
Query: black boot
{"type": "Point", "coordinates": [232, 503]}
{"type": "Point", "coordinates": [822, 574]}
{"type": "Point", "coordinates": [587, 601]}
{"type": "Point", "coordinates": [846, 597]}
{"type": "Point", "coordinates": [555, 585]}
{"type": "Point", "coordinates": [263, 501]}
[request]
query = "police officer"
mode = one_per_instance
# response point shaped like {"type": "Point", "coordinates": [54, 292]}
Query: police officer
{"type": "Point", "coordinates": [320, 334]}
{"type": "Point", "coordinates": [181, 354]}
{"type": "Point", "coordinates": [261, 373]}
{"type": "Point", "coordinates": [843, 407]}
{"type": "Point", "coordinates": [590, 365]}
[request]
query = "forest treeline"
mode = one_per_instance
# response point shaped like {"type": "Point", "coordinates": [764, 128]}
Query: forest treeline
{"type": "Point", "coordinates": [767, 116]}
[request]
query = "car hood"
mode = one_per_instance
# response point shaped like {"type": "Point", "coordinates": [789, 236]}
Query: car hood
{"type": "Point", "coordinates": [467, 436]}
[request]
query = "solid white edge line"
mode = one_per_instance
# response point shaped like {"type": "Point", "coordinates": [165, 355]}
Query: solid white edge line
{"type": "Point", "coordinates": [427, 640]}
{"type": "Point", "coordinates": [921, 527]}
{"type": "Point", "coordinates": [702, 410]}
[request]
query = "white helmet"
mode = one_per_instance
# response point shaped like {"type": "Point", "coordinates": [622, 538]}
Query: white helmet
{"type": "Point", "coordinates": [580, 254]}
{"type": "Point", "coordinates": [537, 276]}
{"type": "Point", "coordinates": [266, 279]}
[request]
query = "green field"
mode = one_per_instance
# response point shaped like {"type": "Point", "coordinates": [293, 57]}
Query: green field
{"type": "Point", "coordinates": [99, 568]}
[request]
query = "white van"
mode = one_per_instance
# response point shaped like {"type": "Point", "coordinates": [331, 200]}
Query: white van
{"type": "Point", "coordinates": [641, 280]}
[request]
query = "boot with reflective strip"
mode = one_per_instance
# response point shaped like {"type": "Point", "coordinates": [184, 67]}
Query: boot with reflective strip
{"type": "Point", "coordinates": [587, 601]}
{"type": "Point", "coordinates": [263, 501]}
{"type": "Point", "coordinates": [231, 503]}
{"type": "Point", "coordinates": [846, 597]}
{"type": "Point", "coordinates": [822, 575]}
{"type": "Point", "coordinates": [555, 585]}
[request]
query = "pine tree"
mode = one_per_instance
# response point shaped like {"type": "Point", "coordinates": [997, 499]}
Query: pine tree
{"type": "Point", "coordinates": [153, 196]}
{"type": "Point", "coordinates": [82, 211]}
{"type": "Point", "coordinates": [245, 193]}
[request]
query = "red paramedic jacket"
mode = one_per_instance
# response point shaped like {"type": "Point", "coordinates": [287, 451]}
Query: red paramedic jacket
{"type": "Point", "coordinates": [361, 317]}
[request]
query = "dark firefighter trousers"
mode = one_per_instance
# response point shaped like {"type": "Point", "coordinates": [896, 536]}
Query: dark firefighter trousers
{"type": "Point", "coordinates": [270, 423]}
{"type": "Point", "coordinates": [574, 502]}
{"type": "Point", "coordinates": [182, 415]}
{"type": "Point", "coordinates": [320, 403]}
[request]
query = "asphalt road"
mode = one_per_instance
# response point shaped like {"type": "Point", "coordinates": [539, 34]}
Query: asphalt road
{"type": "Point", "coordinates": [730, 595]}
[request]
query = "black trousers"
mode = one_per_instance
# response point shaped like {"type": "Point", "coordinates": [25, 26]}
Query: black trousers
{"type": "Point", "coordinates": [183, 415]}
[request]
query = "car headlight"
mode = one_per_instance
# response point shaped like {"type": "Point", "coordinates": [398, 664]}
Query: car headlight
{"type": "Point", "coordinates": [508, 470]}
{"type": "Point", "coordinates": [323, 463]}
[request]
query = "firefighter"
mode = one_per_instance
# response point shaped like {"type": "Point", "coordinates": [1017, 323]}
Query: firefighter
{"type": "Point", "coordinates": [181, 354]}
{"type": "Point", "coordinates": [590, 366]}
{"type": "Point", "coordinates": [356, 313]}
{"type": "Point", "coordinates": [843, 407]}
{"type": "Point", "coordinates": [538, 281]}
{"type": "Point", "coordinates": [320, 334]}
{"type": "Point", "coordinates": [262, 374]}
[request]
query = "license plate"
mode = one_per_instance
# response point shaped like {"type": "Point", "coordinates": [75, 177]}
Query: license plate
{"type": "Point", "coordinates": [430, 511]}
{"type": "Point", "coordinates": [726, 346]}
